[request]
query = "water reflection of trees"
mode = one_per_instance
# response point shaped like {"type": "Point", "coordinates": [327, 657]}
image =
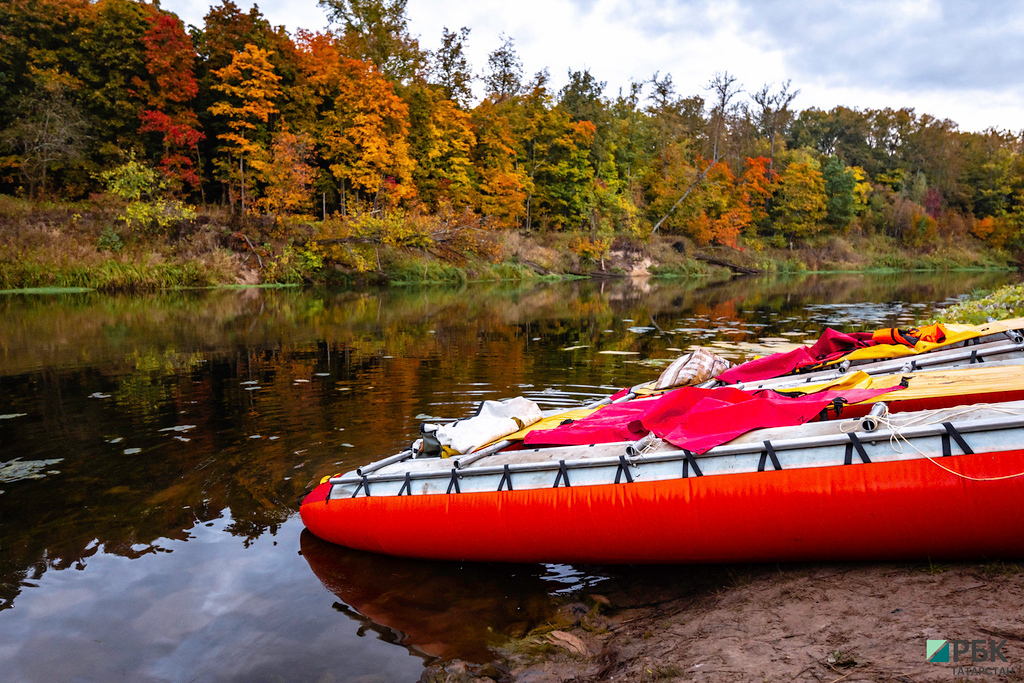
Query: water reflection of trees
{"type": "Point", "coordinates": [88, 329]}
{"type": "Point", "coordinates": [365, 362]}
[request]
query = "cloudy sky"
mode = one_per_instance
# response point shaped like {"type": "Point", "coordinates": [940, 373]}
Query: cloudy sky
{"type": "Point", "coordinates": [956, 59]}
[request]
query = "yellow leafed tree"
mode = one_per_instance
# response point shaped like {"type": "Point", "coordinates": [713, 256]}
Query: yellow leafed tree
{"type": "Point", "coordinates": [800, 201]}
{"type": "Point", "coordinates": [250, 88]}
{"type": "Point", "coordinates": [443, 141]}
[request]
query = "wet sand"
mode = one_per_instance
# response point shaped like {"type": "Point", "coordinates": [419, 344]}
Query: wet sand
{"type": "Point", "coordinates": [822, 622]}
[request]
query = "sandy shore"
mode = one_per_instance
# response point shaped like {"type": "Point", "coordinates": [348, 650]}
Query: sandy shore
{"type": "Point", "coordinates": [822, 622]}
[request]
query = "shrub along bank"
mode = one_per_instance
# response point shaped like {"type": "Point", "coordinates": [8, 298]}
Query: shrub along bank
{"type": "Point", "coordinates": [99, 245]}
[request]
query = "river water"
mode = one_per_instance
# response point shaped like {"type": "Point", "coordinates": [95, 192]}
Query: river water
{"type": "Point", "coordinates": [153, 451]}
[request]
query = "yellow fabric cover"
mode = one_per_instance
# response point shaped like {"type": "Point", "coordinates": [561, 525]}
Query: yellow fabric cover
{"type": "Point", "coordinates": [853, 380]}
{"type": "Point", "coordinates": [550, 422]}
{"type": "Point", "coordinates": [976, 379]}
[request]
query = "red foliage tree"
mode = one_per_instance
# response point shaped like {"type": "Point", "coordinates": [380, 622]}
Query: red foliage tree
{"type": "Point", "coordinates": [168, 96]}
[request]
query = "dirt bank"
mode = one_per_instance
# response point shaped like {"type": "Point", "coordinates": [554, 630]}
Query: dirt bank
{"type": "Point", "coordinates": [823, 622]}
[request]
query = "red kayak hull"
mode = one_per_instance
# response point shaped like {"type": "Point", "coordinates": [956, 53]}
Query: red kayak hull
{"type": "Point", "coordinates": [911, 509]}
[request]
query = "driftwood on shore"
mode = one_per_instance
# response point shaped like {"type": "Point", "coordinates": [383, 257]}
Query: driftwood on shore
{"type": "Point", "coordinates": [536, 267]}
{"type": "Point", "coordinates": [734, 267]}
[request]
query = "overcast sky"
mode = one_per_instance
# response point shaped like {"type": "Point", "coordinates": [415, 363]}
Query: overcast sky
{"type": "Point", "coordinates": [956, 59]}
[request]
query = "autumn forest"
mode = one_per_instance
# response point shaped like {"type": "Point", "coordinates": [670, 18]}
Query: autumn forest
{"type": "Point", "coordinates": [335, 141]}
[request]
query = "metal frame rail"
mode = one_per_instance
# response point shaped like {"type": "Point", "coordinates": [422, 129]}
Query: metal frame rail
{"type": "Point", "coordinates": [680, 455]}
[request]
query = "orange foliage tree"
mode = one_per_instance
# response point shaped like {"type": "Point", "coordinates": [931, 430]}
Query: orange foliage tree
{"type": "Point", "coordinates": [503, 186]}
{"type": "Point", "coordinates": [288, 174]}
{"type": "Point", "coordinates": [363, 134]}
{"type": "Point", "coordinates": [720, 211]}
{"type": "Point", "coordinates": [757, 186]}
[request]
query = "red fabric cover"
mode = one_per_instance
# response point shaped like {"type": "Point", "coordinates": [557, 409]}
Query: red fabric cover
{"type": "Point", "coordinates": [714, 421]}
{"type": "Point", "coordinates": [621, 393]}
{"type": "Point", "coordinates": [693, 418]}
{"type": "Point", "coordinates": [830, 345]}
{"type": "Point", "coordinates": [607, 425]}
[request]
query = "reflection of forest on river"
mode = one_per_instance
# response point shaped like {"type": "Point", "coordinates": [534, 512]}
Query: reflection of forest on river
{"type": "Point", "coordinates": [141, 429]}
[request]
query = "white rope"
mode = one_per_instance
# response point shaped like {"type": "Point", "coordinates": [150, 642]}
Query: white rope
{"type": "Point", "coordinates": [897, 439]}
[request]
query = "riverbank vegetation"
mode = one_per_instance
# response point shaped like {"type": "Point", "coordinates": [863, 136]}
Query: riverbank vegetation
{"type": "Point", "coordinates": [1005, 302]}
{"type": "Point", "coordinates": [138, 153]}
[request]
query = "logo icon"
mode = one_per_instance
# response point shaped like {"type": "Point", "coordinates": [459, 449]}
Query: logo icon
{"type": "Point", "coordinates": [938, 651]}
{"type": "Point", "coordinates": [970, 651]}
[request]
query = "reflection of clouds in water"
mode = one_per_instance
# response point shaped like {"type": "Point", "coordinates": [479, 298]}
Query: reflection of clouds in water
{"type": "Point", "coordinates": [46, 604]}
{"type": "Point", "coordinates": [206, 610]}
{"type": "Point", "coordinates": [572, 579]}
{"type": "Point", "coordinates": [17, 469]}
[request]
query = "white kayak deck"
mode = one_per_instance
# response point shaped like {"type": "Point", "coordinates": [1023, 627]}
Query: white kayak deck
{"type": "Point", "coordinates": [982, 428]}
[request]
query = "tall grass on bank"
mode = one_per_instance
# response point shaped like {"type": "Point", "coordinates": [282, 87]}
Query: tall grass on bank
{"type": "Point", "coordinates": [107, 276]}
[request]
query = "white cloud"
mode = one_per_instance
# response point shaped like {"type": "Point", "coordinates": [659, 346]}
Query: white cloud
{"type": "Point", "coordinates": [963, 61]}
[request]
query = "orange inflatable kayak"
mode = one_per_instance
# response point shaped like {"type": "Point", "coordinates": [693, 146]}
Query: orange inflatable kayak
{"type": "Point", "coordinates": [922, 484]}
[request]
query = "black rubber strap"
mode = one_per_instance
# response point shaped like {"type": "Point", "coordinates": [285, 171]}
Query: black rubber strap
{"type": "Point", "coordinates": [975, 358]}
{"type": "Point", "coordinates": [952, 433]}
{"type": "Point", "coordinates": [454, 483]}
{"type": "Point", "coordinates": [563, 474]}
{"type": "Point", "coordinates": [690, 462]}
{"type": "Point", "coordinates": [623, 469]}
{"type": "Point", "coordinates": [791, 393]}
{"type": "Point", "coordinates": [364, 485]}
{"type": "Point", "coordinates": [972, 341]}
{"type": "Point", "coordinates": [506, 478]}
{"type": "Point", "coordinates": [858, 445]}
{"type": "Point", "coordinates": [768, 452]}
{"type": "Point", "coordinates": [406, 485]}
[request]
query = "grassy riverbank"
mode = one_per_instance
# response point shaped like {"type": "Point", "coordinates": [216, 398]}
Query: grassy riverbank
{"type": "Point", "coordinates": [87, 245]}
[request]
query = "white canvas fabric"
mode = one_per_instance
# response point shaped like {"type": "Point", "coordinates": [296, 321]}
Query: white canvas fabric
{"type": "Point", "coordinates": [495, 420]}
